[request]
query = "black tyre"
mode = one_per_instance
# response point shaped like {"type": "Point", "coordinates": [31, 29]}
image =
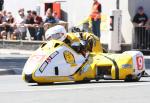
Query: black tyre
{"type": "Point", "coordinates": [83, 81]}
{"type": "Point", "coordinates": [131, 78]}
{"type": "Point", "coordinates": [42, 84]}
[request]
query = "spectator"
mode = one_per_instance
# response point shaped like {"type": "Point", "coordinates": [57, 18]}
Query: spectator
{"type": "Point", "coordinates": [49, 19]}
{"type": "Point", "coordinates": [96, 18]}
{"type": "Point", "coordinates": [10, 26]}
{"type": "Point", "coordinates": [139, 22]}
{"type": "Point", "coordinates": [30, 22]}
{"type": "Point", "coordinates": [4, 12]}
{"type": "Point", "coordinates": [140, 18]}
{"type": "Point", "coordinates": [38, 24]}
{"type": "Point", "coordinates": [2, 26]}
{"type": "Point", "coordinates": [20, 31]}
{"type": "Point", "coordinates": [55, 15]}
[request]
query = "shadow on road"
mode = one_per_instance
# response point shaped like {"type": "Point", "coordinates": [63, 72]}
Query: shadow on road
{"type": "Point", "coordinates": [93, 82]}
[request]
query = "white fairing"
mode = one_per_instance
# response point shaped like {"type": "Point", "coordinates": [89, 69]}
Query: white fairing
{"type": "Point", "coordinates": [33, 61]}
{"type": "Point", "coordinates": [58, 61]}
{"type": "Point", "coordinates": [138, 61]}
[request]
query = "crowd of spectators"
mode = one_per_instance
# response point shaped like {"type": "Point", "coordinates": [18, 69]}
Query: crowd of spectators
{"type": "Point", "coordinates": [16, 28]}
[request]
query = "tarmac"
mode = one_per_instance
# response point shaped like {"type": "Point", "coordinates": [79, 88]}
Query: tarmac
{"type": "Point", "coordinates": [16, 51]}
{"type": "Point", "coordinates": [13, 53]}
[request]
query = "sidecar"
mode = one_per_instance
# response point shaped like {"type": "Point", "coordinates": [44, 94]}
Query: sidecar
{"type": "Point", "coordinates": [55, 61]}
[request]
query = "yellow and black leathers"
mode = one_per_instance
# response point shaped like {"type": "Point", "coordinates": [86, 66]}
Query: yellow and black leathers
{"type": "Point", "coordinates": [91, 42]}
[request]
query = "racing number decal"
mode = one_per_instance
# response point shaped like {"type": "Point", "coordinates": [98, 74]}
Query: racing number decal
{"type": "Point", "coordinates": [140, 64]}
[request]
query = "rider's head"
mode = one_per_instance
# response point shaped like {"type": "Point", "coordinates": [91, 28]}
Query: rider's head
{"type": "Point", "coordinates": [57, 33]}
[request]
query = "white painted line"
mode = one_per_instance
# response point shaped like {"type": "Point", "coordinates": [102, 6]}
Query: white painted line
{"type": "Point", "coordinates": [77, 87]}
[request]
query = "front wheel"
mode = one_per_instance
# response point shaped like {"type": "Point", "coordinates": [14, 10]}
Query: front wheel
{"type": "Point", "coordinates": [43, 84]}
{"type": "Point", "coordinates": [83, 81]}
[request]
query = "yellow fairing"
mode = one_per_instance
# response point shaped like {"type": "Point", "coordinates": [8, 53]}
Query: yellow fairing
{"type": "Point", "coordinates": [87, 71]}
{"type": "Point", "coordinates": [124, 63]}
{"type": "Point", "coordinates": [124, 71]}
{"type": "Point", "coordinates": [46, 79]}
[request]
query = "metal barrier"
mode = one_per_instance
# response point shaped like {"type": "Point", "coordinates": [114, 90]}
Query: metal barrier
{"type": "Point", "coordinates": [141, 38]}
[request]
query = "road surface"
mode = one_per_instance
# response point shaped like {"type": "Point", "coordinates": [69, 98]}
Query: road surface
{"type": "Point", "coordinates": [14, 89]}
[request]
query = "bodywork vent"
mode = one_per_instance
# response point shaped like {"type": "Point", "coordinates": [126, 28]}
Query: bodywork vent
{"type": "Point", "coordinates": [103, 70]}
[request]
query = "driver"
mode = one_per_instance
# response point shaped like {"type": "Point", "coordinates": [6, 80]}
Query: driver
{"type": "Point", "coordinates": [59, 33]}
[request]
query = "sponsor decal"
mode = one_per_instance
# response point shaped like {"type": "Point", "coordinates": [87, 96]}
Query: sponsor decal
{"type": "Point", "coordinates": [140, 62]}
{"type": "Point", "coordinates": [124, 66]}
{"type": "Point", "coordinates": [71, 77]}
{"type": "Point", "coordinates": [42, 68]}
{"type": "Point", "coordinates": [47, 61]}
{"type": "Point", "coordinates": [53, 55]}
{"type": "Point", "coordinates": [69, 57]}
{"type": "Point", "coordinates": [85, 69]}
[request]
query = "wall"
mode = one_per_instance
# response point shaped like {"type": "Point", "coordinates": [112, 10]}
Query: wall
{"type": "Point", "coordinates": [15, 5]}
{"type": "Point", "coordinates": [77, 10]}
{"type": "Point", "coordinates": [126, 20]}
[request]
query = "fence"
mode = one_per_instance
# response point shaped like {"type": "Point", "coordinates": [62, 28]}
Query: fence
{"type": "Point", "coordinates": [26, 31]}
{"type": "Point", "coordinates": [141, 38]}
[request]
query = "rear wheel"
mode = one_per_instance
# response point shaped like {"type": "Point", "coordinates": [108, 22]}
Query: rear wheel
{"type": "Point", "coordinates": [132, 78]}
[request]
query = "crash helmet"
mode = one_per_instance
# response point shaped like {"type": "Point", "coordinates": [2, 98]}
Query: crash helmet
{"type": "Point", "coordinates": [57, 32]}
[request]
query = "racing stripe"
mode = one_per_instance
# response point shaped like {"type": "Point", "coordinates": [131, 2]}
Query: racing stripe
{"type": "Point", "coordinates": [79, 68]}
{"type": "Point", "coordinates": [116, 66]}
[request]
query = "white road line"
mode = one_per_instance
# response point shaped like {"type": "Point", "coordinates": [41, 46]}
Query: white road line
{"type": "Point", "coordinates": [74, 87]}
